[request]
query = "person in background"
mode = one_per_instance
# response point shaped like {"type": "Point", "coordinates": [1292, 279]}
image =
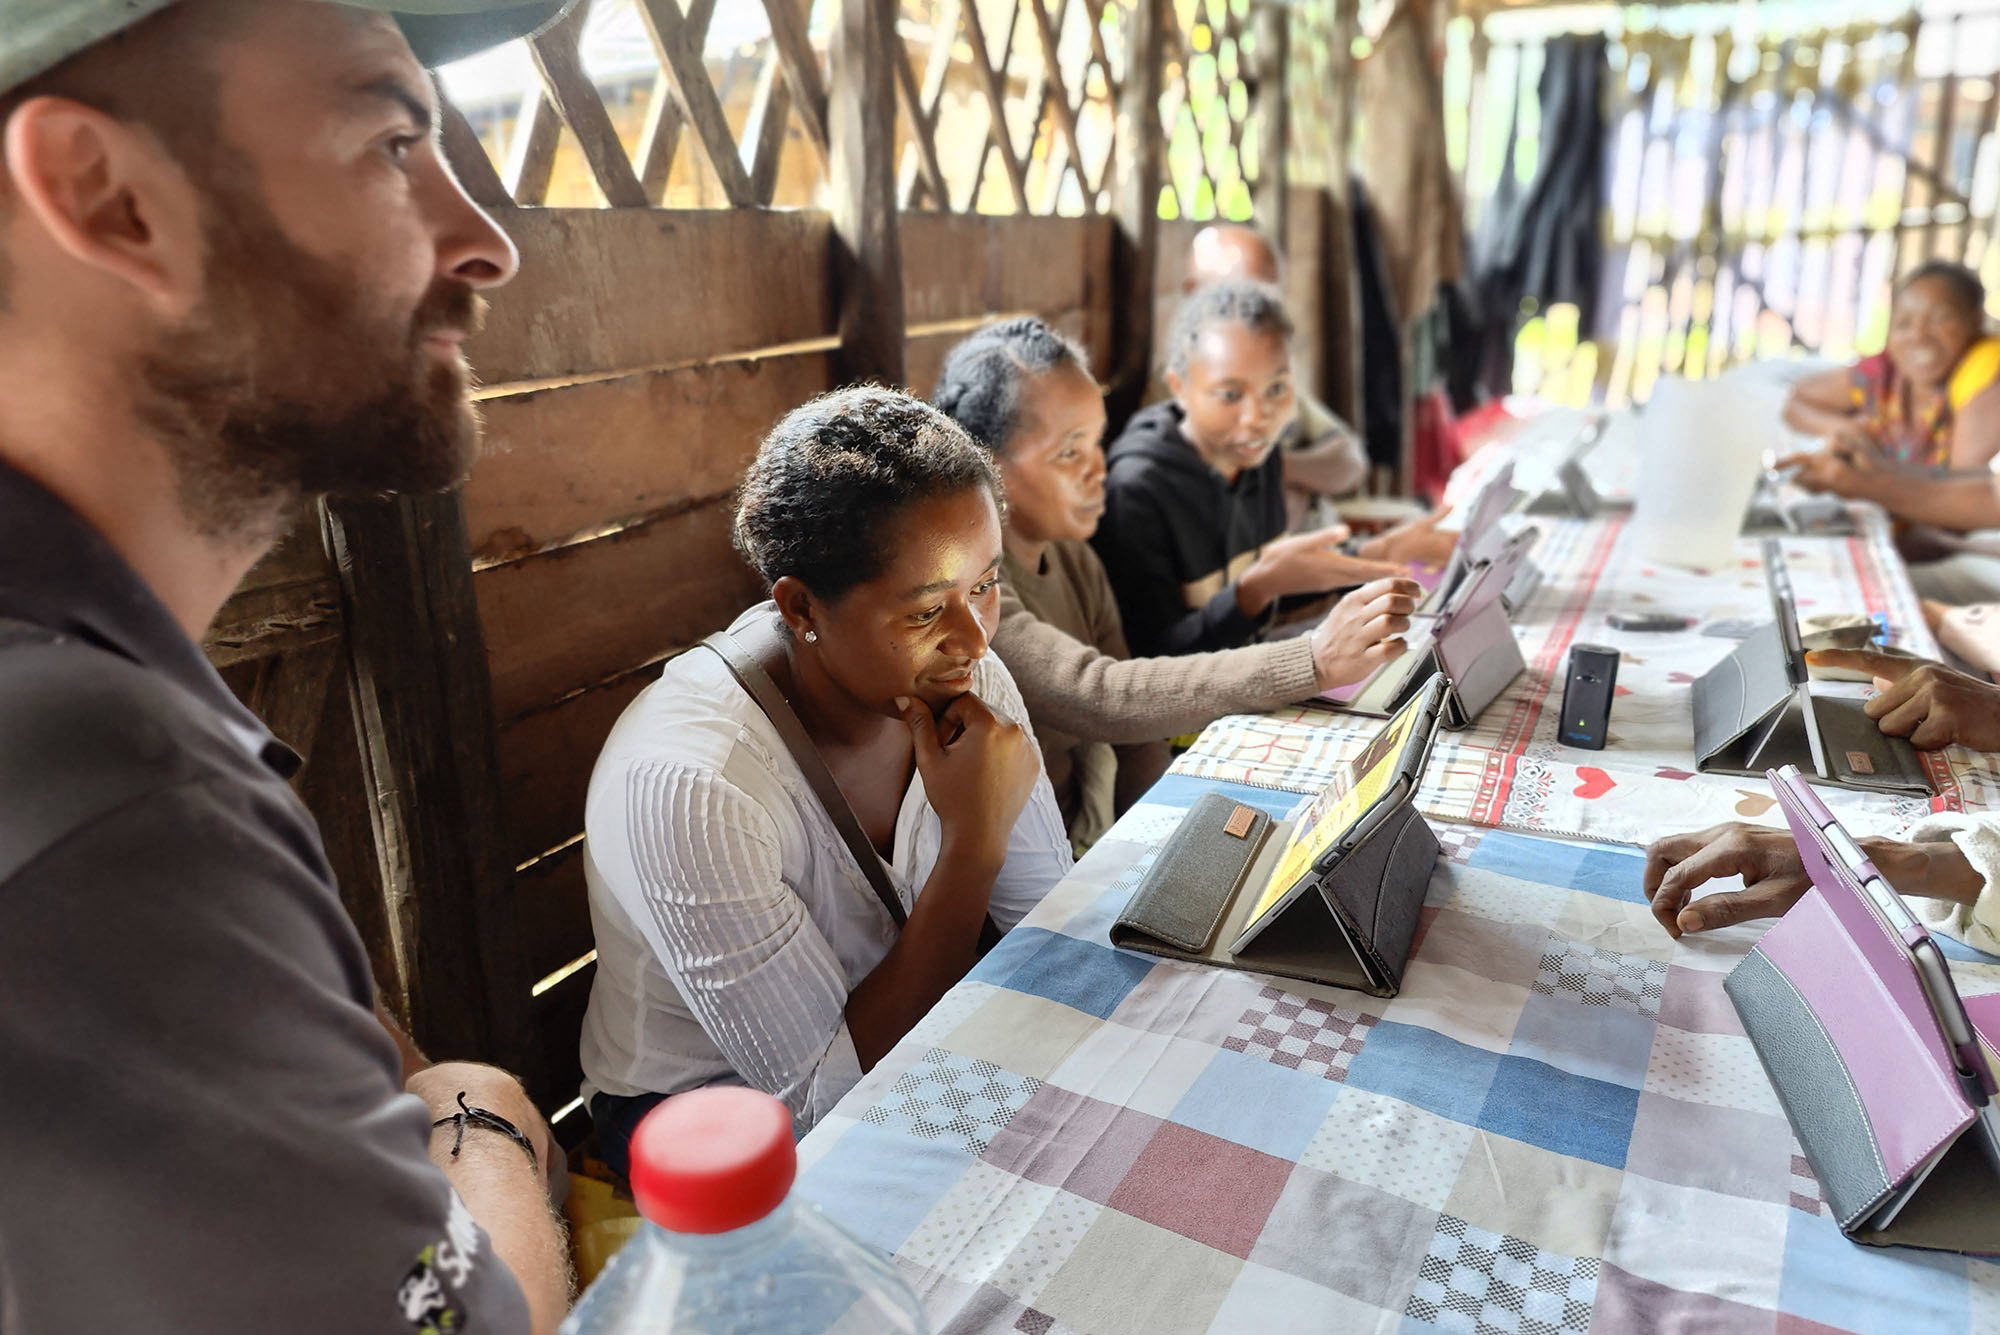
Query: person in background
{"type": "Point", "coordinates": [1024, 391]}
{"type": "Point", "coordinates": [1323, 456]}
{"type": "Point", "coordinates": [1193, 533]}
{"type": "Point", "coordinates": [738, 940]}
{"type": "Point", "coordinates": [1918, 403]}
{"type": "Point", "coordinates": [235, 272]}
{"type": "Point", "coordinates": [1915, 429]}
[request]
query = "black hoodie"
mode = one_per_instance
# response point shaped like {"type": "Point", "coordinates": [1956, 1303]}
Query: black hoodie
{"type": "Point", "coordinates": [1175, 536]}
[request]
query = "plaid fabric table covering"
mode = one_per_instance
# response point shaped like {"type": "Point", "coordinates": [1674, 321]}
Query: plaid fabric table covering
{"type": "Point", "coordinates": [1508, 770]}
{"type": "Point", "coordinates": [1558, 1126]}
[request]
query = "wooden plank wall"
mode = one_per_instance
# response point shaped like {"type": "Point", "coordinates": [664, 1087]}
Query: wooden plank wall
{"type": "Point", "coordinates": [631, 373]}
{"type": "Point", "coordinates": [279, 643]}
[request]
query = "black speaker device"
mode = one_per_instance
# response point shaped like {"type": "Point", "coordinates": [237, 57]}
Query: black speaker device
{"type": "Point", "coordinates": [1586, 707]}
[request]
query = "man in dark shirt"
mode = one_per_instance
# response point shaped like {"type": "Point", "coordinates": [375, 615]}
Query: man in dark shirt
{"type": "Point", "coordinates": [234, 272]}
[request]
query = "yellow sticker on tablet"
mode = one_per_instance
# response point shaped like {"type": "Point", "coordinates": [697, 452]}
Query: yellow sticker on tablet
{"type": "Point", "coordinates": [1343, 802]}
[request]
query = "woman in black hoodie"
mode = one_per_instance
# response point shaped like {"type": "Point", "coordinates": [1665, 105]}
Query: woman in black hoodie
{"type": "Point", "coordinates": [1192, 534]}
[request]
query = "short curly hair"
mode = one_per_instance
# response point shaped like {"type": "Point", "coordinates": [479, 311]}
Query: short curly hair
{"type": "Point", "coordinates": [837, 472]}
{"type": "Point", "coordinates": [1257, 306]}
{"type": "Point", "coordinates": [979, 386]}
{"type": "Point", "coordinates": [1967, 292]}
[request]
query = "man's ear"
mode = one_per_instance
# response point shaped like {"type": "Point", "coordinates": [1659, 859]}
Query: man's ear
{"type": "Point", "coordinates": [1173, 383]}
{"type": "Point", "coordinates": [109, 195]}
{"type": "Point", "coordinates": [795, 604]}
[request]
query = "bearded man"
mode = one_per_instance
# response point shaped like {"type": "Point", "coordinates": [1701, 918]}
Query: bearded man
{"type": "Point", "coordinates": [235, 272]}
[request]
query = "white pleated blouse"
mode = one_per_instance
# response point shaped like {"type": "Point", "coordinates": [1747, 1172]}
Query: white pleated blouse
{"type": "Point", "coordinates": [731, 921]}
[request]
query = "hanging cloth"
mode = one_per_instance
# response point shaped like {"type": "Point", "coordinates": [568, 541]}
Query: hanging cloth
{"type": "Point", "coordinates": [1545, 242]}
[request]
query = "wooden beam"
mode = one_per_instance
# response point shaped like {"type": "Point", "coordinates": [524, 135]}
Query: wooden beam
{"type": "Point", "coordinates": [334, 786]}
{"type": "Point", "coordinates": [659, 136]}
{"type": "Point", "coordinates": [560, 464]}
{"type": "Point", "coordinates": [1942, 179]}
{"type": "Point", "coordinates": [994, 83]}
{"type": "Point", "coordinates": [665, 116]}
{"type": "Point", "coordinates": [758, 280]}
{"type": "Point", "coordinates": [468, 159]}
{"type": "Point", "coordinates": [937, 70]}
{"type": "Point", "coordinates": [680, 52]}
{"type": "Point", "coordinates": [861, 123]}
{"type": "Point", "coordinates": [1273, 107]}
{"type": "Point", "coordinates": [923, 132]}
{"type": "Point", "coordinates": [262, 623]}
{"type": "Point", "coordinates": [546, 759]}
{"type": "Point", "coordinates": [576, 98]}
{"type": "Point", "coordinates": [1136, 201]}
{"type": "Point", "coordinates": [788, 35]}
{"type": "Point", "coordinates": [1094, 9]}
{"type": "Point", "coordinates": [531, 153]}
{"type": "Point", "coordinates": [564, 621]}
{"type": "Point", "coordinates": [765, 129]}
{"type": "Point", "coordinates": [423, 703]}
{"type": "Point", "coordinates": [1057, 91]}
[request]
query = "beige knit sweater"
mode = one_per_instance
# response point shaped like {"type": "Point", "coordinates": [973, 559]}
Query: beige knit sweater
{"type": "Point", "coordinates": [1060, 636]}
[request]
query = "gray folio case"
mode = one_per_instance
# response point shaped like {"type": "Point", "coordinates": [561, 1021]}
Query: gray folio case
{"type": "Point", "coordinates": [1748, 718]}
{"type": "Point", "coordinates": [1351, 929]}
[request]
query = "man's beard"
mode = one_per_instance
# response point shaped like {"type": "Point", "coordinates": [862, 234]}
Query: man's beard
{"type": "Point", "coordinates": [284, 386]}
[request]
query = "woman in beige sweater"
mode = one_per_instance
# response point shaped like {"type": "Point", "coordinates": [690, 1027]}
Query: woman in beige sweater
{"type": "Point", "coordinates": [1025, 392]}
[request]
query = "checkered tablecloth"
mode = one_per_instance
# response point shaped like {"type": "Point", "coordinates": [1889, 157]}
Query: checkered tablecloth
{"type": "Point", "coordinates": [1509, 771]}
{"type": "Point", "coordinates": [1558, 1126]}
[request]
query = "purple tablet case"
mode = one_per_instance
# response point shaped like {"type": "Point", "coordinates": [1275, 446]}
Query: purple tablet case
{"type": "Point", "coordinates": [1832, 1003]}
{"type": "Point", "coordinates": [1473, 645]}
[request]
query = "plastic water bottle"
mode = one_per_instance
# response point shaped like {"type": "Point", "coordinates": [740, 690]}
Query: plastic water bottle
{"type": "Point", "coordinates": [726, 1250]}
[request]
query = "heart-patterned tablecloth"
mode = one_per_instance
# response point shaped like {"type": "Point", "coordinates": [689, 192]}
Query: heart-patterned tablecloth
{"type": "Point", "coordinates": [1509, 771]}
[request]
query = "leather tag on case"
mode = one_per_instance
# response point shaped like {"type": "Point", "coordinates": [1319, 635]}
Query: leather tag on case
{"type": "Point", "coordinates": [1351, 928]}
{"type": "Point", "coordinates": [1190, 884]}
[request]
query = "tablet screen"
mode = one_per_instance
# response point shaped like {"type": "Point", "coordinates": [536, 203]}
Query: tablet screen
{"type": "Point", "coordinates": [1343, 802]}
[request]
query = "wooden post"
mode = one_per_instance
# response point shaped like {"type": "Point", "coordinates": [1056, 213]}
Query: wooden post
{"type": "Point", "coordinates": [423, 707]}
{"type": "Point", "coordinates": [1136, 201]}
{"type": "Point", "coordinates": [1274, 55]}
{"type": "Point", "coordinates": [861, 189]}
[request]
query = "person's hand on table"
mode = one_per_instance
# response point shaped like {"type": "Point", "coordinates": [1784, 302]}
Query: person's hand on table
{"type": "Point", "coordinates": [1363, 631]}
{"type": "Point", "coordinates": [1305, 563]}
{"type": "Point", "coordinates": [1929, 703]}
{"type": "Point", "coordinates": [1415, 541]}
{"type": "Point", "coordinates": [1846, 467]}
{"type": "Point", "coordinates": [1767, 860]}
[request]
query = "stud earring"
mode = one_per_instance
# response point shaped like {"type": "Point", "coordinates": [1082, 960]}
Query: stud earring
{"type": "Point", "coordinates": [812, 637]}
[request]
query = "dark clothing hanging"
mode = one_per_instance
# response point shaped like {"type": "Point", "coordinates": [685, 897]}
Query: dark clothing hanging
{"type": "Point", "coordinates": [1381, 335]}
{"type": "Point", "coordinates": [1544, 242]}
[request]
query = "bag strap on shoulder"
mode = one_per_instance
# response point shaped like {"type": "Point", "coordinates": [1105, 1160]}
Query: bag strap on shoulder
{"type": "Point", "coordinates": [741, 659]}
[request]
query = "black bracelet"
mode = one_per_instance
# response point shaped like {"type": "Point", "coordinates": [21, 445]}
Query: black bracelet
{"type": "Point", "coordinates": [471, 1115]}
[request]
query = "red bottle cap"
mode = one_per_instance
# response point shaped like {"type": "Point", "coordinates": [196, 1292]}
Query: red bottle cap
{"type": "Point", "coordinates": [712, 1160]}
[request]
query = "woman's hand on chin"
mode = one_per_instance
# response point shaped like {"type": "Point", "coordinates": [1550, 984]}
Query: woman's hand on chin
{"type": "Point", "coordinates": [978, 772]}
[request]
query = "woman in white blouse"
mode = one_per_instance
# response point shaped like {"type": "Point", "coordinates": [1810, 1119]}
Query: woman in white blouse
{"type": "Point", "coordinates": [738, 939]}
